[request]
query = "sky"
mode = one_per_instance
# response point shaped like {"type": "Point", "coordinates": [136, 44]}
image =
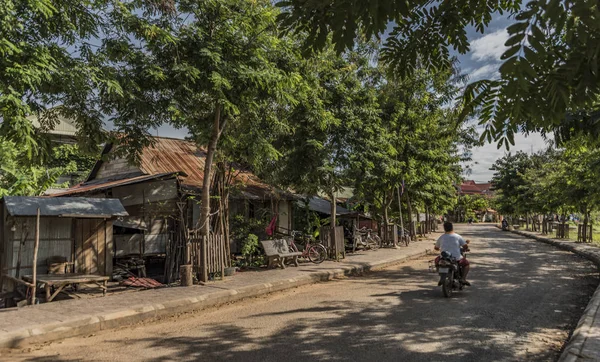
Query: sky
{"type": "Point", "coordinates": [482, 62]}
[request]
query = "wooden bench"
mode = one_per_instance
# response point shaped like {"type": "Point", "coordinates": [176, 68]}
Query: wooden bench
{"type": "Point", "coordinates": [278, 251]}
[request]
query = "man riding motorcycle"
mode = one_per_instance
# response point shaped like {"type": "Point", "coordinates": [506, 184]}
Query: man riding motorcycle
{"type": "Point", "coordinates": [453, 243]}
{"type": "Point", "coordinates": [504, 224]}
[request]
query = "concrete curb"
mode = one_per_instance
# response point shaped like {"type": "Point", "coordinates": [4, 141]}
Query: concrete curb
{"type": "Point", "coordinates": [147, 312]}
{"type": "Point", "coordinates": [584, 344]}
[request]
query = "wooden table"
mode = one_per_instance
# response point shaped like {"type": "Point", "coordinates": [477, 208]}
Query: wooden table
{"type": "Point", "coordinates": [60, 281]}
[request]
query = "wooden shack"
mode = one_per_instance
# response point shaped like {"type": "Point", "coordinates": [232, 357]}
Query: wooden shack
{"type": "Point", "coordinates": [74, 229]}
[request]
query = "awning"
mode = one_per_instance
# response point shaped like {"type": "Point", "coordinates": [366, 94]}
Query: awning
{"type": "Point", "coordinates": [79, 207]}
{"type": "Point", "coordinates": [323, 206]}
{"type": "Point", "coordinates": [131, 222]}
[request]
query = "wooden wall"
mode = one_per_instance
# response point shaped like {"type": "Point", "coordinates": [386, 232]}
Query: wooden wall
{"type": "Point", "coordinates": [93, 246]}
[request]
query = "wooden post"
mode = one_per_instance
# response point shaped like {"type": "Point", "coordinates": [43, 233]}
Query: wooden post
{"type": "Point", "coordinates": [36, 247]}
{"type": "Point", "coordinates": [185, 272]}
{"type": "Point", "coordinates": [333, 223]}
{"type": "Point", "coordinates": [24, 234]}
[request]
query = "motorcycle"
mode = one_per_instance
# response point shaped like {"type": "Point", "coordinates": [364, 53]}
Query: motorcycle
{"type": "Point", "coordinates": [450, 273]}
{"type": "Point", "coordinates": [504, 225]}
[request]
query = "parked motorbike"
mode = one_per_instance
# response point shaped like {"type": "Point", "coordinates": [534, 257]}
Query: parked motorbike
{"type": "Point", "coordinates": [450, 273]}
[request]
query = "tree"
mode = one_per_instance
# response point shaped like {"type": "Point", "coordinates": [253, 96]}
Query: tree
{"type": "Point", "coordinates": [549, 68]}
{"type": "Point", "coordinates": [19, 176]}
{"type": "Point", "coordinates": [331, 123]}
{"type": "Point", "coordinates": [471, 205]}
{"type": "Point", "coordinates": [508, 182]}
{"type": "Point", "coordinates": [418, 138]}
{"type": "Point", "coordinates": [45, 60]}
{"type": "Point", "coordinates": [205, 65]}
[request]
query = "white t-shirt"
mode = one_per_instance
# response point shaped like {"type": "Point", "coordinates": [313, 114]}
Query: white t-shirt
{"type": "Point", "coordinates": [452, 244]}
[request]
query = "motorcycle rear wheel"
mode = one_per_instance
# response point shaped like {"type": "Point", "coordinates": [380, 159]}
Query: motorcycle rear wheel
{"type": "Point", "coordinates": [447, 285]}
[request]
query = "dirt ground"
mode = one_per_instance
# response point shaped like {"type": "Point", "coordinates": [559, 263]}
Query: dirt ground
{"type": "Point", "coordinates": [525, 300]}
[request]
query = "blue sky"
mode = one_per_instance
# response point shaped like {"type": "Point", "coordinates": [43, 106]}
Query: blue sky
{"type": "Point", "coordinates": [481, 62]}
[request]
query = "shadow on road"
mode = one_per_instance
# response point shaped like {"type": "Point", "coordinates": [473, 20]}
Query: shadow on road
{"type": "Point", "coordinates": [522, 290]}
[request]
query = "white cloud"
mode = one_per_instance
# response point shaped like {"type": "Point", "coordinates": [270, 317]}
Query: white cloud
{"type": "Point", "coordinates": [488, 71]}
{"type": "Point", "coordinates": [486, 155]}
{"type": "Point", "coordinates": [490, 46]}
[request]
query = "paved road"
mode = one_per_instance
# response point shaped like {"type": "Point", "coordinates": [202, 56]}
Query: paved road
{"type": "Point", "coordinates": [525, 299]}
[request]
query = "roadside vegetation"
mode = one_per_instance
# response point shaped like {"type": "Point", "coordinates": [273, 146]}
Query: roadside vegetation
{"type": "Point", "coordinates": [558, 184]}
{"type": "Point", "coordinates": [306, 95]}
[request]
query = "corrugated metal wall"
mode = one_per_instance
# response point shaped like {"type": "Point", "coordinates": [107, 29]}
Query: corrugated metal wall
{"type": "Point", "coordinates": [56, 239]}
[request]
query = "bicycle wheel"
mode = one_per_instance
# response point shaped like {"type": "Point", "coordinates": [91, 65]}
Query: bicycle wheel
{"type": "Point", "coordinates": [317, 253]}
{"type": "Point", "coordinates": [374, 242]}
{"type": "Point", "coordinates": [293, 247]}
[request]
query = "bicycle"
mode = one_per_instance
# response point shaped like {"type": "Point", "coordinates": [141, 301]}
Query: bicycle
{"type": "Point", "coordinates": [366, 238]}
{"type": "Point", "coordinates": [314, 252]}
{"type": "Point", "coordinates": [404, 236]}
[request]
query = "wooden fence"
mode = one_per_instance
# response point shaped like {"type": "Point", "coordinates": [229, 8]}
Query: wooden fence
{"type": "Point", "coordinates": [584, 234]}
{"type": "Point", "coordinates": [216, 259]}
{"type": "Point", "coordinates": [546, 227]}
{"type": "Point", "coordinates": [562, 231]}
{"type": "Point", "coordinates": [434, 225]}
{"type": "Point", "coordinates": [334, 249]}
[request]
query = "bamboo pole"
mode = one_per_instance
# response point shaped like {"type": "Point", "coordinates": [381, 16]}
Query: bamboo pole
{"type": "Point", "coordinates": [36, 247]}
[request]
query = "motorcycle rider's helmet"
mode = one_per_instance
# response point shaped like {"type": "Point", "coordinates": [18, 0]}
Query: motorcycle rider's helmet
{"type": "Point", "coordinates": [446, 255]}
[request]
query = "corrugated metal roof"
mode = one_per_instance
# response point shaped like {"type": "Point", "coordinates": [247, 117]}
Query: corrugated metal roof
{"type": "Point", "coordinates": [64, 206]}
{"type": "Point", "coordinates": [99, 185]}
{"type": "Point", "coordinates": [168, 155]}
{"type": "Point", "coordinates": [176, 155]}
{"type": "Point", "coordinates": [323, 206]}
{"type": "Point", "coordinates": [173, 155]}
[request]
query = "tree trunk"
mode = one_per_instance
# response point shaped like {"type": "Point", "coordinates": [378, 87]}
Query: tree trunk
{"type": "Point", "coordinates": [427, 220]}
{"type": "Point", "coordinates": [333, 223]}
{"type": "Point", "coordinates": [411, 231]}
{"type": "Point", "coordinates": [544, 225]}
{"type": "Point", "coordinates": [205, 209]}
{"type": "Point", "coordinates": [388, 199]}
{"type": "Point", "coordinates": [591, 227]}
{"type": "Point", "coordinates": [385, 224]}
{"type": "Point", "coordinates": [400, 210]}
{"type": "Point", "coordinates": [418, 222]}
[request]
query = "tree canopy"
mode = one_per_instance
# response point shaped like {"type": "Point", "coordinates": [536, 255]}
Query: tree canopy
{"type": "Point", "coordinates": [549, 79]}
{"type": "Point", "coordinates": [224, 71]}
{"type": "Point", "coordinates": [555, 181]}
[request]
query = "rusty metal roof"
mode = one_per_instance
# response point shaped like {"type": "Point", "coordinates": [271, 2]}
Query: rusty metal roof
{"type": "Point", "coordinates": [168, 156]}
{"type": "Point", "coordinates": [176, 155]}
{"type": "Point", "coordinates": [99, 185]}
